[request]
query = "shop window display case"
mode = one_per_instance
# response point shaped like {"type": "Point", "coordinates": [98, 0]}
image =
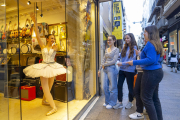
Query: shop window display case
{"type": "Point", "coordinates": [73, 25]}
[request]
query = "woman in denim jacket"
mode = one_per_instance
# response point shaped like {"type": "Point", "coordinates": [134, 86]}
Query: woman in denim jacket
{"type": "Point", "coordinates": [126, 71]}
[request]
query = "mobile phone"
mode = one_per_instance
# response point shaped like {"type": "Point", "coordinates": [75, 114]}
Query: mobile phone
{"type": "Point", "coordinates": [53, 44]}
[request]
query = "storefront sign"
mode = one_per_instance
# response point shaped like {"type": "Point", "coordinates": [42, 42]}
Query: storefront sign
{"type": "Point", "coordinates": [177, 15]}
{"type": "Point", "coordinates": [117, 15]}
{"type": "Point", "coordinates": [163, 38]}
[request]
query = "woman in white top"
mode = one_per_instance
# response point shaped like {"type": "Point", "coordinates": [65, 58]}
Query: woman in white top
{"type": "Point", "coordinates": [173, 60]}
{"type": "Point", "coordinates": [110, 73]}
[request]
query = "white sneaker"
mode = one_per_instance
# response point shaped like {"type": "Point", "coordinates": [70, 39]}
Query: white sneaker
{"type": "Point", "coordinates": [118, 105]}
{"type": "Point", "coordinates": [104, 105]}
{"type": "Point", "coordinates": [129, 105]}
{"type": "Point", "coordinates": [136, 115]}
{"type": "Point", "coordinates": [175, 70]}
{"type": "Point", "coordinates": [109, 107]}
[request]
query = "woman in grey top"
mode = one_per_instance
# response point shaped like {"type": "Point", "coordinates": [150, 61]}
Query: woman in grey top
{"type": "Point", "coordinates": [110, 73]}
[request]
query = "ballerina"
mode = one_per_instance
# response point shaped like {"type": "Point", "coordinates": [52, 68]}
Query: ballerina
{"type": "Point", "coordinates": [46, 70]}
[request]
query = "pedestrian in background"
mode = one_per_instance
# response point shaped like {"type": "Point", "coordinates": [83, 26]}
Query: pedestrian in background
{"type": "Point", "coordinates": [126, 71]}
{"type": "Point", "coordinates": [152, 72]}
{"type": "Point", "coordinates": [110, 73]}
{"type": "Point", "coordinates": [173, 60]}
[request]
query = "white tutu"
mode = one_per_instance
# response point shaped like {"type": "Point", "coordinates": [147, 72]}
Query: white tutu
{"type": "Point", "coordinates": [45, 70]}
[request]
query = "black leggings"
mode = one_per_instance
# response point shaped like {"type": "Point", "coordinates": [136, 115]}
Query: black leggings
{"type": "Point", "coordinates": [137, 93]}
{"type": "Point", "coordinates": [173, 64]}
{"type": "Point", "coordinates": [130, 81]}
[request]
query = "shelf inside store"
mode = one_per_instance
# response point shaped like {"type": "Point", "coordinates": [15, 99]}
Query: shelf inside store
{"type": "Point", "coordinates": [3, 55]}
{"type": "Point", "coordinates": [16, 40]}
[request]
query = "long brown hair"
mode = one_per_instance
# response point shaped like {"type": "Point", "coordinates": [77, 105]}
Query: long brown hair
{"type": "Point", "coordinates": [153, 35]}
{"type": "Point", "coordinates": [131, 46]}
{"type": "Point", "coordinates": [114, 38]}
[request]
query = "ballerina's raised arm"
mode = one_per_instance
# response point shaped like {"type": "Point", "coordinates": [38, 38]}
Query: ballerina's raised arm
{"type": "Point", "coordinates": [36, 31]}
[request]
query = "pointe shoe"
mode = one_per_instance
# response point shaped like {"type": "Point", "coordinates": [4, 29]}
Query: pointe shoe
{"type": "Point", "coordinates": [45, 103]}
{"type": "Point", "coordinates": [54, 110]}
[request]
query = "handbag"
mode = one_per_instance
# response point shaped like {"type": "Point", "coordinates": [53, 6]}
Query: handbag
{"type": "Point", "coordinates": [135, 77]}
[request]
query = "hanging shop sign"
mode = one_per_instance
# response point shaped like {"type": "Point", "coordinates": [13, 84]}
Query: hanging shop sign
{"type": "Point", "coordinates": [163, 38]}
{"type": "Point", "coordinates": [117, 15]}
{"type": "Point", "coordinates": [177, 15]}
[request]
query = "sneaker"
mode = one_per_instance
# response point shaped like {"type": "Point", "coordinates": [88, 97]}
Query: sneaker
{"type": "Point", "coordinates": [118, 105]}
{"type": "Point", "coordinates": [175, 70]}
{"type": "Point", "coordinates": [109, 107]}
{"type": "Point", "coordinates": [104, 104]}
{"type": "Point", "coordinates": [136, 115]}
{"type": "Point", "coordinates": [129, 105]}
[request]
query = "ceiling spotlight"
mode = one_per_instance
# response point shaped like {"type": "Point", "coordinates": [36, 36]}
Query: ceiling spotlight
{"type": "Point", "coordinates": [41, 15]}
{"type": "Point", "coordinates": [29, 2]}
{"type": "Point", "coordinates": [37, 8]}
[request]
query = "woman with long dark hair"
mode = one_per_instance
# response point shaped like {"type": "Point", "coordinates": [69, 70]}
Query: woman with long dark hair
{"type": "Point", "coordinates": [126, 71]}
{"type": "Point", "coordinates": [110, 73]}
{"type": "Point", "coordinates": [152, 72]}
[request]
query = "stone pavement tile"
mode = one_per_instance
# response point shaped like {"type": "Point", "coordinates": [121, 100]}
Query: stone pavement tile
{"type": "Point", "coordinates": [121, 117]}
{"type": "Point", "coordinates": [93, 114]}
{"type": "Point", "coordinates": [88, 119]}
{"type": "Point", "coordinates": [105, 116]}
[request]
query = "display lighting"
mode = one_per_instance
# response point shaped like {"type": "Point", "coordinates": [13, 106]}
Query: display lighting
{"type": "Point", "coordinates": [29, 2]}
{"type": "Point", "coordinates": [3, 5]}
{"type": "Point", "coordinates": [41, 15]}
{"type": "Point", "coordinates": [37, 8]}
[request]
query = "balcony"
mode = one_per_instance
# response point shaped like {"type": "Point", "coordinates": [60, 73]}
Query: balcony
{"type": "Point", "coordinates": [170, 6]}
{"type": "Point", "coordinates": [154, 9]}
{"type": "Point", "coordinates": [162, 24]}
{"type": "Point", "coordinates": [159, 2]}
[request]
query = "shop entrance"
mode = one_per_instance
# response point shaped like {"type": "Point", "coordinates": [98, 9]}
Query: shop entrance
{"type": "Point", "coordinates": [72, 23]}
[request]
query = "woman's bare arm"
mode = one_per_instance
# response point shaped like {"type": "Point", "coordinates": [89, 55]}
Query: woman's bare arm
{"type": "Point", "coordinates": [36, 31]}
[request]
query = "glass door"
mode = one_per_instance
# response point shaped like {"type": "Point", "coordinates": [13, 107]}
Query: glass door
{"type": "Point", "coordinates": [10, 61]}
{"type": "Point", "coordinates": [50, 15]}
{"type": "Point", "coordinates": [4, 102]}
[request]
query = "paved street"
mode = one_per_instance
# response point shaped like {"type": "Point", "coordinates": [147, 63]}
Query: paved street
{"type": "Point", "coordinates": [169, 93]}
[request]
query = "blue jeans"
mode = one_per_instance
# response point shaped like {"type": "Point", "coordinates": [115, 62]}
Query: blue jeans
{"type": "Point", "coordinates": [110, 85]}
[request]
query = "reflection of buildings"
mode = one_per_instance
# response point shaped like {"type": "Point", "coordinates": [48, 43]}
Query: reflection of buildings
{"type": "Point", "coordinates": [165, 15]}
{"type": "Point", "coordinates": [119, 22]}
{"type": "Point", "coordinates": [107, 25]}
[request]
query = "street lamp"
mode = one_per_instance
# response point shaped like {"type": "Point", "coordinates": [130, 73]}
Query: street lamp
{"type": "Point", "coordinates": [137, 22]}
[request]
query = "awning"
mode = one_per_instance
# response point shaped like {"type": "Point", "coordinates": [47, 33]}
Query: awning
{"type": "Point", "coordinates": [170, 7]}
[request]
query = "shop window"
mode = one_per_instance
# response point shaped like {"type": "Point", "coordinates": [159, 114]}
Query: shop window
{"type": "Point", "coordinates": [173, 40]}
{"type": "Point", "coordinates": [80, 18]}
{"type": "Point", "coordinates": [179, 42]}
{"type": "Point", "coordinates": [73, 26]}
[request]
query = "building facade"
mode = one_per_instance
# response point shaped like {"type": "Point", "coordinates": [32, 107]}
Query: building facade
{"type": "Point", "coordinates": [165, 15]}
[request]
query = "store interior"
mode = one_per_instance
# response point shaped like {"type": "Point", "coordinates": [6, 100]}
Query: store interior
{"type": "Point", "coordinates": [72, 24]}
